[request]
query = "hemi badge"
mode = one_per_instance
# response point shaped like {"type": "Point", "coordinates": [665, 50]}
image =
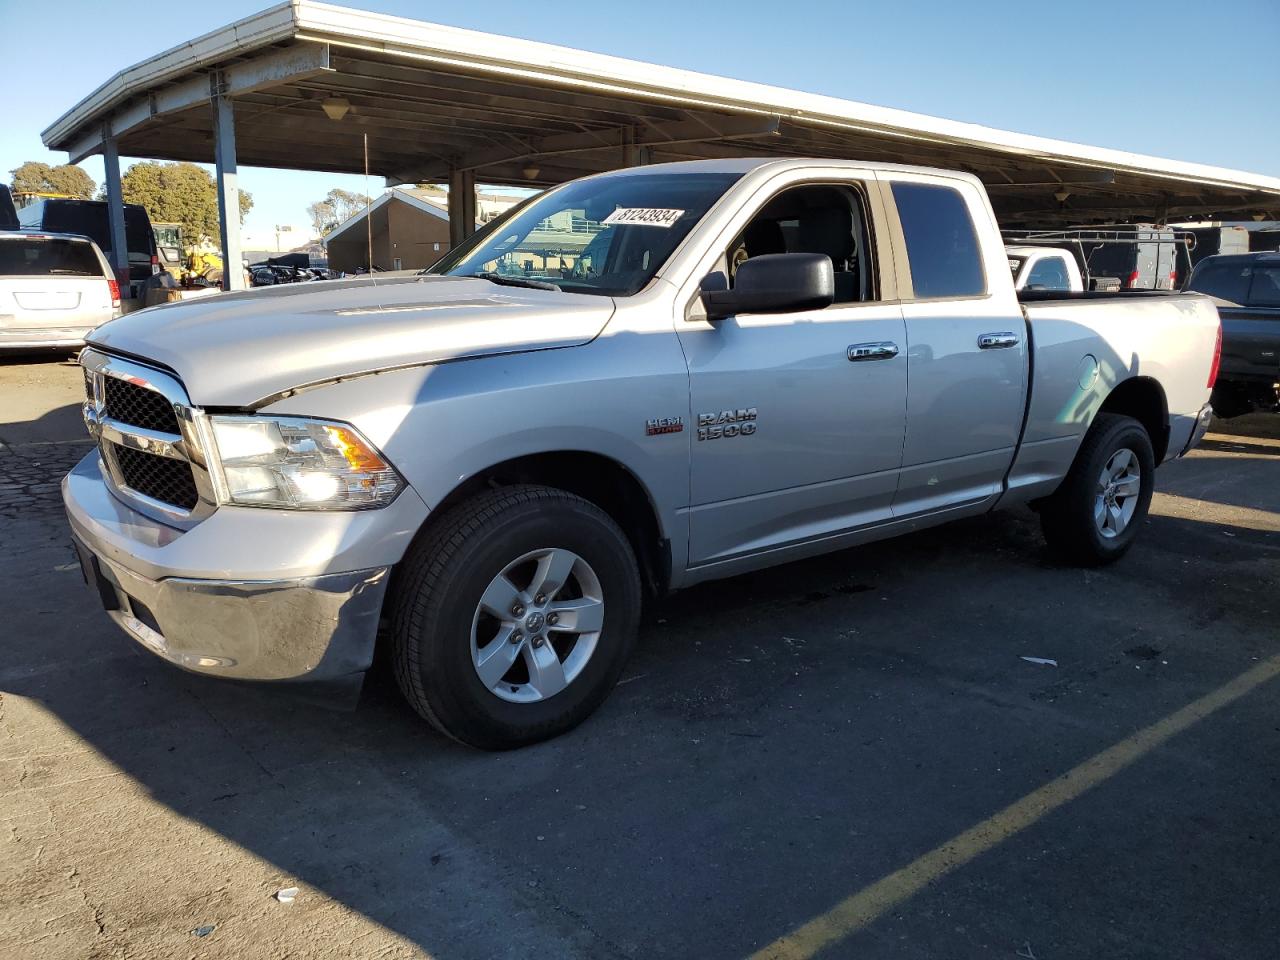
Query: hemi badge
{"type": "Point", "coordinates": [659, 425]}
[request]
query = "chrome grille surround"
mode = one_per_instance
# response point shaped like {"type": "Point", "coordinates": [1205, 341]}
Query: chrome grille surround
{"type": "Point", "coordinates": [187, 445]}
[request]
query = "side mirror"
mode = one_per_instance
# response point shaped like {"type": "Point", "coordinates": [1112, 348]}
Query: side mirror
{"type": "Point", "coordinates": [775, 283]}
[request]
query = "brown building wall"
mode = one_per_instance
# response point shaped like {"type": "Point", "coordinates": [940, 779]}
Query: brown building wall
{"type": "Point", "coordinates": [418, 239]}
{"type": "Point", "coordinates": [350, 252]}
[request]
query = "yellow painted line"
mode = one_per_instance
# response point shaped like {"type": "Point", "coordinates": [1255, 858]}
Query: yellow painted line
{"type": "Point", "coordinates": [857, 911]}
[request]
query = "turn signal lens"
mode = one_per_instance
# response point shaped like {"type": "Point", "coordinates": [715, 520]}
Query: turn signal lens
{"type": "Point", "coordinates": [358, 454]}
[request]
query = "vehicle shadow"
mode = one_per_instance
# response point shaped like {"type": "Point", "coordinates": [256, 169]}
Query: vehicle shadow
{"type": "Point", "coordinates": [750, 765]}
{"type": "Point", "coordinates": [62, 425]}
{"type": "Point", "coordinates": [779, 739]}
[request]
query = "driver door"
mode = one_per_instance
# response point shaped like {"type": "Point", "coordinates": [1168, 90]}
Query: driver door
{"type": "Point", "coordinates": [798, 418]}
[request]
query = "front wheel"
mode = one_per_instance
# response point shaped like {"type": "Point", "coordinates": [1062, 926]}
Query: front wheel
{"type": "Point", "coordinates": [1095, 514]}
{"type": "Point", "coordinates": [514, 616]}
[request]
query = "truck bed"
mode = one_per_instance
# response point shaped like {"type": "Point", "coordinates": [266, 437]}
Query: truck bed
{"type": "Point", "coordinates": [1167, 337]}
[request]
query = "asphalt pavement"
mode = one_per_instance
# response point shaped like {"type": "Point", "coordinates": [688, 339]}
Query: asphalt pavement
{"type": "Point", "coordinates": [844, 757]}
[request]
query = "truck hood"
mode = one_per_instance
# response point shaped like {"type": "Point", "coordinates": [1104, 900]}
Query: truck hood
{"type": "Point", "coordinates": [236, 349]}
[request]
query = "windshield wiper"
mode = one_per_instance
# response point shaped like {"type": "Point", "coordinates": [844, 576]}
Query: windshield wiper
{"type": "Point", "coordinates": [507, 281]}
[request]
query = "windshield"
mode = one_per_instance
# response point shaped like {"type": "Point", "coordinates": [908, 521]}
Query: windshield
{"type": "Point", "coordinates": [606, 235]}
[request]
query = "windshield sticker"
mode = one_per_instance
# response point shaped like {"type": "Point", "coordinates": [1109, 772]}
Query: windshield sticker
{"type": "Point", "coordinates": [643, 216]}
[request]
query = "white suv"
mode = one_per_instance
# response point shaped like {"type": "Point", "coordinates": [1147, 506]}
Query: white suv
{"type": "Point", "coordinates": [54, 289]}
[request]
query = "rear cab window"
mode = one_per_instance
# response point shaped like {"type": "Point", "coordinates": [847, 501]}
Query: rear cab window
{"type": "Point", "coordinates": [943, 252]}
{"type": "Point", "coordinates": [1049, 273]}
{"type": "Point", "coordinates": [1265, 289]}
{"type": "Point", "coordinates": [47, 257]}
{"type": "Point", "coordinates": [1226, 281]}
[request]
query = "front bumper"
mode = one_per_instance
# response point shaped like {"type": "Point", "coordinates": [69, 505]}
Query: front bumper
{"type": "Point", "coordinates": [248, 594]}
{"type": "Point", "coordinates": [317, 628]}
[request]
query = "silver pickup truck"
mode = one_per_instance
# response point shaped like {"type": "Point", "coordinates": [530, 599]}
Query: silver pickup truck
{"type": "Point", "coordinates": [632, 383]}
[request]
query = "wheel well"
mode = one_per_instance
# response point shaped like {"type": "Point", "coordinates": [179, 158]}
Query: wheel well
{"type": "Point", "coordinates": [1143, 399]}
{"type": "Point", "coordinates": [596, 478]}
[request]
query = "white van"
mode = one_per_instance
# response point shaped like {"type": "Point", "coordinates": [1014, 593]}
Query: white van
{"type": "Point", "coordinates": [54, 289]}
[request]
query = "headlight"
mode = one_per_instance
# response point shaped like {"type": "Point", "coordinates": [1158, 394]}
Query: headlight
{"type": "Point", "coordinates": [300, 464]}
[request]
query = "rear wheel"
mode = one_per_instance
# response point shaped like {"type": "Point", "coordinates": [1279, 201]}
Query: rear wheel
{"type": "Point", "coordinates": [514, 616]}
{"type": "Point", "coordinates": [1095, 514]}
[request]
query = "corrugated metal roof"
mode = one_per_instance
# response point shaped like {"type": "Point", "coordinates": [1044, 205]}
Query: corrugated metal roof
{"type": "Point", "coordinates": [516, 111]}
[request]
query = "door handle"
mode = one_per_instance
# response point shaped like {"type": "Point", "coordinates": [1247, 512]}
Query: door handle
{"type": "Point", "coordinates": [997, 341]}
{"type": "Point", "coordinates": [873, 351]}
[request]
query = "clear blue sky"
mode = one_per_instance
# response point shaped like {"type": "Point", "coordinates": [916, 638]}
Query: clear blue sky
{"type": "Point", "coordinates": [1189, 80]}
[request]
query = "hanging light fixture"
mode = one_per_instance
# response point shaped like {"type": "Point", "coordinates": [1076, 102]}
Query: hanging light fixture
{"type": "Point", "coordinates": [335, 108]}
{"type": "Point", "coordinates": [530, 171]}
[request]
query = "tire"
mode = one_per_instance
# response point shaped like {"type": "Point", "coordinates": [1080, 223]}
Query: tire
{"type": "Point", "coordinates": [455, 602]}
{"type": "Point", "coordinates": [1070, 518]}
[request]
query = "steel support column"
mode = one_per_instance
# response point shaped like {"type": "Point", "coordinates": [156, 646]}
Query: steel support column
{"type": "Point", "coordinates": [635, 154]}
{"type": "Point", "coordinates": [462, 205]}
{"type": "Point", "coordinates": [224, 156]}
{"type": "Point", "coordinates": [115, 214]}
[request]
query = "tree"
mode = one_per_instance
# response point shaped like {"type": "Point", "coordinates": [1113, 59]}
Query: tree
{"type": "Point", "coordinates": [36, 177]}
{"type": "Point", "coordinates": [182, 193]}
{"type": "Point", "coordinates": [337, 207]}
{"type": "Point", "coordinates": [345, 203]}
{"type": "Point", "coordinates": [322, 216]}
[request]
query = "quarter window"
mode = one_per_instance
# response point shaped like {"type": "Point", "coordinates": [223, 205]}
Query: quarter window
{"type": "Point", "coordinates": [942, 246]}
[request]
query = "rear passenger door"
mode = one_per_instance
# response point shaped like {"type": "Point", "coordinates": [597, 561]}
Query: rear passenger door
{"type": "Point", "coordinates": [966, 348]}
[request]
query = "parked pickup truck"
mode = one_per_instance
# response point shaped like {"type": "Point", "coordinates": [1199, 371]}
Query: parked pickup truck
{"type": "Point", "coordinates": [1247, 288]}
{"type": "Point", "coordinates": [498, 461]}
{"type": "Point", "coordinates": [1044, 268]}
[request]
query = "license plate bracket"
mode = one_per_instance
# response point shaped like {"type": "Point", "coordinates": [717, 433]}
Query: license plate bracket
{"type": "Point", "coordinates": [91, 570]}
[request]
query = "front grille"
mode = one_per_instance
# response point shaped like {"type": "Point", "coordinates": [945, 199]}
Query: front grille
{"type": "Point", "coordinates": [159, 478]}
{"type": "Point", "coordinates": [138, 406]}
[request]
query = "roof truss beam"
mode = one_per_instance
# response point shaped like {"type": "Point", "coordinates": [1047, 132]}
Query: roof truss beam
{"type": "Point", "coordinates": [646, 135]}
{"type": "Point", "coordinates": [289, 64]}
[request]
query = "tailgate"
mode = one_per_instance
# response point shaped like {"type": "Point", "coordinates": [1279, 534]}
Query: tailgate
{"type": "Point", "coordinates": [37, 302]}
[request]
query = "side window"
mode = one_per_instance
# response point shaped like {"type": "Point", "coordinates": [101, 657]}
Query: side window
{"type": "Point", "coordinates": [814, 219]}
{"type": "Point", "coordinates": [1223, 280]}
{"type": "Point", "coordinates": [1049, 274]}
{"type": "Point", "coordinates": [942, 246]}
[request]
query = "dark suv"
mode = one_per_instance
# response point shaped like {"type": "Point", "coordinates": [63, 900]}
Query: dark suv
{"type": "Point", "coordinates": [1247, 288]}
{"type": "Point", "coordinates": [88, 218]}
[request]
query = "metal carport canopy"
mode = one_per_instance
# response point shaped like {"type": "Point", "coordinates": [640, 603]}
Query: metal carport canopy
{"type": "Point", "coordinates": [438, 101]}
